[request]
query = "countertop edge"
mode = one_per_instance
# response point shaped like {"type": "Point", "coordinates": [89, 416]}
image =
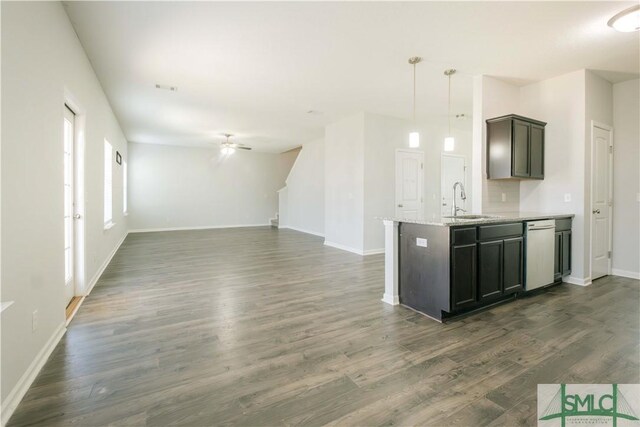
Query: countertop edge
{"type": "Point", "coordinates": [498, 219]}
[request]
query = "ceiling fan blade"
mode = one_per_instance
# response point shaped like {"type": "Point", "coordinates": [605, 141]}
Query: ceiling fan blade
{"type": "Point", "coordinates": [243, 148]}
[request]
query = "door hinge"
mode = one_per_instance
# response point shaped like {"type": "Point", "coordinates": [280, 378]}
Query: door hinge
{"type": "Point", "coordinates": [611, 149]}
{"type": "Point", "coordinates": [421, 165]}
{"type": "Point", "coordinates": [609, 254]}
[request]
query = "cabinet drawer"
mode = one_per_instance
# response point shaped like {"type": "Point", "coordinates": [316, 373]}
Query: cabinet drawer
{"type": "Point", "coordinates": [463, 236]}
{"type": "Point", "coordinates": [488, 232]}
{"type": "Point", "coordinates": [563, 224]}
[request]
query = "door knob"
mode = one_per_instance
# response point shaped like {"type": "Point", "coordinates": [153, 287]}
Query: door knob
{"type": "Point", "coordinates": [400, 206]}
{"type": "Point", "coordinates": [596, 211]}
{"type": "Point", "coordinates": [77, 216]}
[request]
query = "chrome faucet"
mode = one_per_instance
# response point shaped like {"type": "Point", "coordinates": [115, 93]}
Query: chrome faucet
{"type": "Point", "coordinates": [463, 196]}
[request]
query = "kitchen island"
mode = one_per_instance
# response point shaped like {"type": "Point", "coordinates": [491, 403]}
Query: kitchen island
{"type": "Point", "coordinates": [448, 266]}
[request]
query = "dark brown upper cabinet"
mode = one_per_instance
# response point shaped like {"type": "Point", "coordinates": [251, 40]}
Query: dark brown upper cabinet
{"type": "Point", "coordinates": [515, 148]}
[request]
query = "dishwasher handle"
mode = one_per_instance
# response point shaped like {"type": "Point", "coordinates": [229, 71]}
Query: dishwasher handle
{"type": "Point", "coordinates": [544, 227]}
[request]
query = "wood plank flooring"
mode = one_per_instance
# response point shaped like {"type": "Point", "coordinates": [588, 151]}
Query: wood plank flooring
{"type": "Point", "coordinates": [265, 327]}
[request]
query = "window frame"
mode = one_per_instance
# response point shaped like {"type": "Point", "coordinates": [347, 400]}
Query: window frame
{"type": "Point", "coordinates": [107, 177]}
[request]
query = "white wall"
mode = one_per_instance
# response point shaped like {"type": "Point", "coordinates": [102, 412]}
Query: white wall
{"type": "Point", "coordinates": [560, 101]}
{"type": "Point", "coordinates": [186, 187]}
{"type": "Point", "coordinates": [304, 196]}
{"type": "Point", "coordinates": [492, 98]}
{"type": "Point", "coordinates": [626, 178]}
{"type": "Point", "coordinates": [360, 175]}
{"type": "Point", "coordinates": [598, 108]}
{"type": "Point", "coordinates": [42, 62]}
{"type": "Point", "coordinates": [344, 183]}
{"type": "Point", "coordinates": [569, 103]}
{"type": "Point", "coordinates": [383, 136]}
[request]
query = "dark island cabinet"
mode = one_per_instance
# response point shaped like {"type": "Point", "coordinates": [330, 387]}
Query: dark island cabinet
{"type": "Point", "coordinates": [557, 259]}
{"type": "Point", "coordinates": [448, 271]}
{"type": "Point", "coordinates": [500, 267]}
{"type": "Point", "coordinates": [562, 256]}
{"type": "Point", "coordinates": [513, 265]}
{"type": "Point", "coordinates": [463, 277]}
{"type": "Point", "coordinates": [490, 263]}
{"type": "Point", "coordinates": [487, 263]}
{"type": "Point", "coordinates": [515, 148]}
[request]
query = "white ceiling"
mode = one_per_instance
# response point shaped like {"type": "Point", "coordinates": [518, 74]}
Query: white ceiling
{"type": "Point", "coordinates": [255, 69]}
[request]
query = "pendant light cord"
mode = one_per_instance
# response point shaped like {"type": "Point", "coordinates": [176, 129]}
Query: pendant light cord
{"type": "Point", "coordinates": [414, 94]}
{"type": "Point", "coordinates": [449, 107]}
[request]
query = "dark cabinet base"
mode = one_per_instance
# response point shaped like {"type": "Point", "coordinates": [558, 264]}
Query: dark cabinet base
{"type": "Point", "coordinates": [445, 272]}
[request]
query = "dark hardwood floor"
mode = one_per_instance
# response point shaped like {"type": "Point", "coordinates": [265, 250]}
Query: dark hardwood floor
{"type": "Point", "coordinates": [262, 327]}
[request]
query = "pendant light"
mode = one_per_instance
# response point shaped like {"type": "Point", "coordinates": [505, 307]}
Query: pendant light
{"type": "Point", "coordinates": [449, 141]}
{"type": "Point", "coordinates": [414, 136]}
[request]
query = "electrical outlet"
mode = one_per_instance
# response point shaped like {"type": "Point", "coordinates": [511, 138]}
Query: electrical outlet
{"type": "Point", "coordinates": [567, 197]}
{"type": "Point", "coordinates": [34, 320]}
{"type": "Point", "coordinates": [504, 197]}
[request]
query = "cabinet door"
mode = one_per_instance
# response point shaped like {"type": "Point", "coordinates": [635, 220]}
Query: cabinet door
{"type": "Point", "coordinates": [536, 149]}
{"type": "Point", "coordinates": [520, 152]}
{"type": "Point", "coordinates": [490, 269]}
{"type": "Point", "coordinates": [513, 265]}
{"type": "Point", "coordinates": [557, 258]}
{"type": "Point", "coordinates": [566, 252]}
{"type": "Point", "coordinates": [463, 276]}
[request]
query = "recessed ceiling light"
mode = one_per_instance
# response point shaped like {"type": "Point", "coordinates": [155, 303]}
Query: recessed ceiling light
{"type": "Point", "coordinates": [626, 21]}
{"type": "Point", "coordinates": [165, 87]}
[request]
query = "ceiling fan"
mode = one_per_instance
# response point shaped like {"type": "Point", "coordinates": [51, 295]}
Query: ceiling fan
{"type": "Point", "coordinates": [228, 147]}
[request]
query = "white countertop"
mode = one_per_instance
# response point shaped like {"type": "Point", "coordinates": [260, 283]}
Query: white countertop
{"type": "Point", "coordinates": [496, 217]}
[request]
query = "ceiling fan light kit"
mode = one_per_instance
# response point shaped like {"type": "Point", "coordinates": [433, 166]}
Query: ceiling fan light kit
{"type": "Point", "coordinates": [227, 147]}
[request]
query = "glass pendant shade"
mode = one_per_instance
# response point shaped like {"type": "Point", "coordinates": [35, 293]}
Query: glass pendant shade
{"type": "Point", "coordinates": [414, 139]}
{"type": "Point", "coordinates": [449, 143]}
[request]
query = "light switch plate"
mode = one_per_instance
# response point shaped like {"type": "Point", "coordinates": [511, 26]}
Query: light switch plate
{"type": "Point", "coordinates": [504, 197]}
{"type": "Point", "coordinates": [567, 197]}
{"type": "Point", "coordinates": [421, 242]}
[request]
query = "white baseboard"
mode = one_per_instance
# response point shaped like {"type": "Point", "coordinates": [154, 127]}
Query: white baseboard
{"type": "Point", "coordinates": [390, 299]}
{"type": "Point", "coordinates": [625, 273]}
{"type": "Point", "coordinates": [373, 251]}
{"type": "Point", "coordinates": [302, 230]}
{"type": "Point", "coordinates": [20, 389]}
{"type": "Point", "coordinates": [104, 265]}
{"type": "Point", "coordinates": [343, 247]}
{"type": "Point", "coordinates": [577, 281]}
{"type": "Point", "coordinates": [354, 250]}
{"type": "Point", "coordinates": [205, 227]}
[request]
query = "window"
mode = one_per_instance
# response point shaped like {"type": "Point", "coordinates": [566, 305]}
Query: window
{"type": "Point", "coordinates": [108, 184]}
{"type": "Point", "coordinates": [69, 120]}
{"type": "Point", "coordinates": [124, 187]}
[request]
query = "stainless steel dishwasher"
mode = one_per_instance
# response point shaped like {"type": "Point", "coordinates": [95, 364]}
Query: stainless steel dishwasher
{"type": "Point", "coordinates": [539, 256]}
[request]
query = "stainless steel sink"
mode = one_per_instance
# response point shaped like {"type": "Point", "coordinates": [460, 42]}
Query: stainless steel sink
{"type": "Point", "coordinates": [472, 217]}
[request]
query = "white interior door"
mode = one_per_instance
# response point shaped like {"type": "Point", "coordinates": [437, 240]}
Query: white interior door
{"type": "Point", "coordinates": [601, 160]}
{"type": "Point", "coordinates": [409, 179]}
{"type": "Point", "coordinates": [69, 206]}
{"type": "Point", "coordinates": [452, 171]}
